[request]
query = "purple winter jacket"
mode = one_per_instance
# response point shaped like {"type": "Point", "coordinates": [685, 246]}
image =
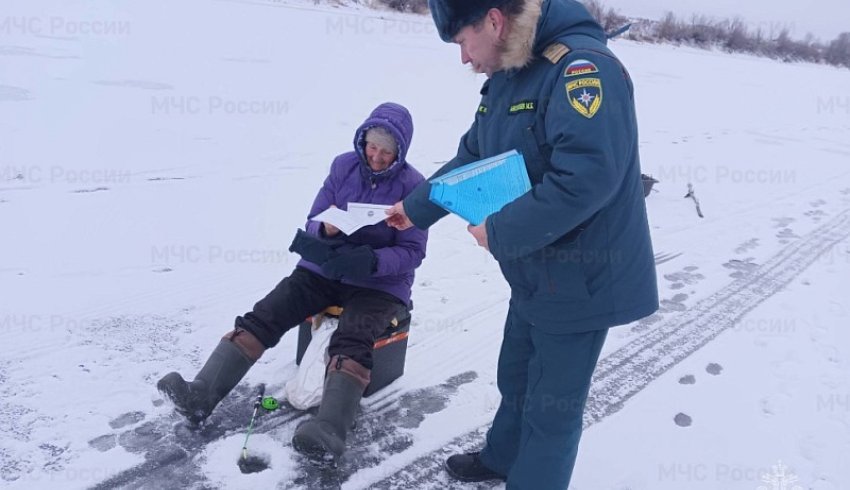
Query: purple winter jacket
{"type": "Point", "coordinates": [399, 253]}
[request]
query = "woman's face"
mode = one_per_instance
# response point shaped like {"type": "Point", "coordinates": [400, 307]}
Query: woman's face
{"type": "Point", "coordinates": [378, 157]}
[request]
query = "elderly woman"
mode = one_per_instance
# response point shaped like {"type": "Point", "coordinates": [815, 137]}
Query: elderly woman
{"type": "Point", "coordinates": [369, 274]}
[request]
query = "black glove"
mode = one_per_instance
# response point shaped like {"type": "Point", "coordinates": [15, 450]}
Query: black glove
{"type": "Point", "coordinates": [312, 248]}
{"type": "Point", "coordinates": [357, 263]}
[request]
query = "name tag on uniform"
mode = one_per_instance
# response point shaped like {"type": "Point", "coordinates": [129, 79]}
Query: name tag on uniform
{"type": "Point", "coordinates": [522, 106]}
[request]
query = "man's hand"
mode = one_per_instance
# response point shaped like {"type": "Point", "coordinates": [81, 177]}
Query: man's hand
{"type": "Point", "coordinates": [480, 234]}
{"type": "Point", "coordinates": [330, 230]}
{"type": "Point", "coordinates": [397, 218]}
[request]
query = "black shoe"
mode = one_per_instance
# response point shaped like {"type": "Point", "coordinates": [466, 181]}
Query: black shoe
{"type": "Point", "coordinates": [468, 467]}
{"type": "Point", "coordinates": [196, 400]}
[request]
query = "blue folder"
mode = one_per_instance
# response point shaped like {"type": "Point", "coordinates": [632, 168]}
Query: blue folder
{"type": "Point", "coordinates": [479, 189]}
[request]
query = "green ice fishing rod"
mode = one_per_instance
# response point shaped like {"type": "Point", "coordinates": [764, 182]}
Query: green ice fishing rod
{"type": "Point", "coordinates": [257, 405]}
{"type": "Point", "coordinates": [267, 403]}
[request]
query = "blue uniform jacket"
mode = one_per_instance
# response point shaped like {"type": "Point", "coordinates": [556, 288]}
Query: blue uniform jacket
{"type": "Point", "coordinates": [576, 249]}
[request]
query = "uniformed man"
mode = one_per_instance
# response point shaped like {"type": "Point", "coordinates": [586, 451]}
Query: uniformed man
{"type": "Point", "coordinates": [576, 249]}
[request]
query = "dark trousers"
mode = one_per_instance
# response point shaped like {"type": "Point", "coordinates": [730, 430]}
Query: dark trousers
{"type": "Point", "coordinates": [544, 380]}
{"type": "Point", "coordinates": [366, 313]}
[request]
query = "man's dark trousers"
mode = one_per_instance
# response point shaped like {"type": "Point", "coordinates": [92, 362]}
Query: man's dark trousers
{"type": "Point", "coordinates": [544, 380]}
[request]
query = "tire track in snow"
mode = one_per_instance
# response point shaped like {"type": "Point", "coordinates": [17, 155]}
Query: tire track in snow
{"type": "Point", "coordinates": [628, 370]}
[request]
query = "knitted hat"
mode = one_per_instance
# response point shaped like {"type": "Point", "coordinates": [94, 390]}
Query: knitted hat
{"type": "Point", "coordinates": [381, 137]}
{"type": "Point", "coordinates": [450, 16]}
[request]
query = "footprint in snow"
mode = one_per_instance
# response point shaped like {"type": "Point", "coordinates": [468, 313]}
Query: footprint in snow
{"type": "Point", "coordinates": [676, 303]}
{"type": "Point", "coordinates": [688, 379]}
{"type": "Point", "coordinates": [782, 222]}
{"type": "Point", "coordinates": [741, 268]}
{"type": "Point", "coordinates": [714, 369]}
{"type": "Point", "coordinates": [747, 246]}
{"type": "Point", "coordinates": [104, 443]}
{"type": "Point", "coordinates": [126, 419]}
{"type": "Point", "coordinates": [816, 214]}
{"type": "Point", "coordinates": [785, 235]}
{"type": "Point", "coordinates": [687, 276]}
{"type": "Point", "coordinates": [682, 420]}
{"type": "Point", "coordinates": [143, 437]}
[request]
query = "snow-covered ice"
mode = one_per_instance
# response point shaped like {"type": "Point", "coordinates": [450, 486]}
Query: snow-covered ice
{"type": "Point", "coordinates": [156, 160]}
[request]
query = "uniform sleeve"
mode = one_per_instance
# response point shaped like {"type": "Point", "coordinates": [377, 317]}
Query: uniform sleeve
{"type": "Point", "coordinates": [408, 250]}
{"type": "Point", "coordinates": [421, 211]}
{"type": "Point", "coordinates": [589, 125]}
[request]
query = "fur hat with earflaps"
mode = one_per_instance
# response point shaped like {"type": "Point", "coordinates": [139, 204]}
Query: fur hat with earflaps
{"type": "Point", "coordinates": [450, 16]}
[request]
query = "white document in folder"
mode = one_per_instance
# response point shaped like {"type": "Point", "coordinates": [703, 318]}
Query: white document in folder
{"type": "Point", "coordinates": [358, 215]}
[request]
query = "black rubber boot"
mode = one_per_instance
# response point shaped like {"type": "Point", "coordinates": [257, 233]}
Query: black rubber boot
{"type": "Point", "coordinates": [221, 373]}
{"type": "Point", "coordinates": [468, 467]}
{"type": "Point", "coordinates": [323, 437]}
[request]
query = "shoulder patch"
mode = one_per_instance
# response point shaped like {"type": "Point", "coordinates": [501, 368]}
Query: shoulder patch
{"type": "Point", "coordinates": [555, 52]}
{"type": "Point", "coordinates": [585, 95]}
{"type": "Point", "coordinates": [580, 67]}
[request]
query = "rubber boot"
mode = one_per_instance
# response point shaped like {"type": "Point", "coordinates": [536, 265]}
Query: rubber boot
{"type": "Point", "coordinates": [226, 366]}
{"type": "Point", "coordinates": [469, 468]}
{"type": "Point", "coordinates": [323, 437]}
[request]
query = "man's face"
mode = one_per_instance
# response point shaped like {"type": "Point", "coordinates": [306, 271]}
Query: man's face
{"type": "Point", "coordinates": [480, 46]}
{"type": "Point", "coordinates": [378, 157]}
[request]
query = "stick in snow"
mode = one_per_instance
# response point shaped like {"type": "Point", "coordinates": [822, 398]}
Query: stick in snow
{"type": "Point", "coordinates": [692, 196]}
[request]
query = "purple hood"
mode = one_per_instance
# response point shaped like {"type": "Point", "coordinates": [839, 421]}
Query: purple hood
{"type": "Point", "coordinates": [395, 119]}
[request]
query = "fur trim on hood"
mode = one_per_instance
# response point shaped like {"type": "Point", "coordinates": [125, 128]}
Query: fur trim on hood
{"type": "Point", "coordinates": [519, 45]}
